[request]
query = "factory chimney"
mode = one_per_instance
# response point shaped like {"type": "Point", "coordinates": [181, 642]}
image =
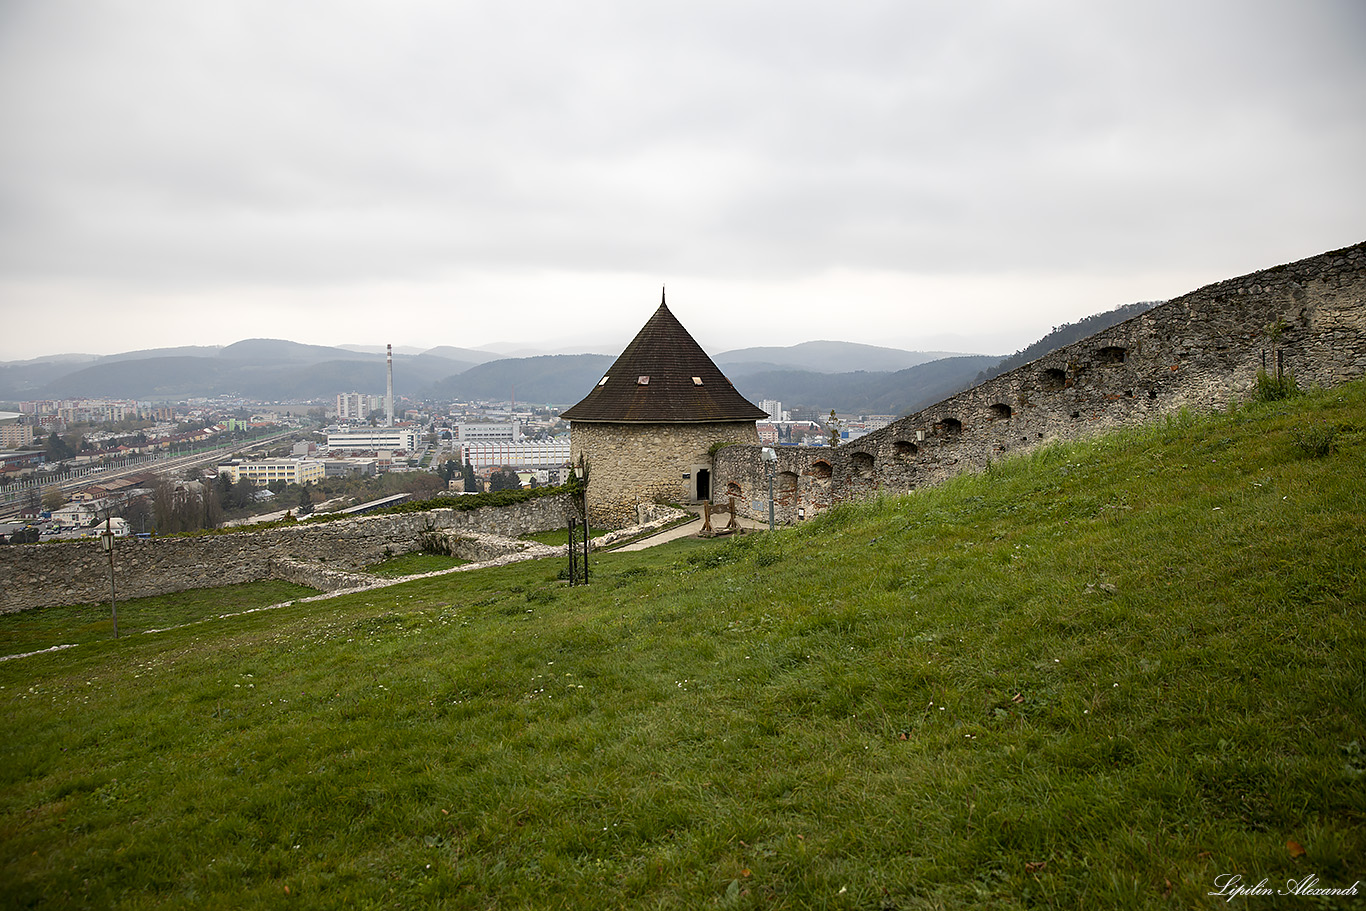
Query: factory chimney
{"type": "Point", "coordinates": [389, 394]}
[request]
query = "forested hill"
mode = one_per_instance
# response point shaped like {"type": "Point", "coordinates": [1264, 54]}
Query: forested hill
{"type": "Point", "coordinates": [552, 379]}
{"type": "Point", "coordinates": [1066, 334]}
{"type": "Point", "coordinates": [863, 392]}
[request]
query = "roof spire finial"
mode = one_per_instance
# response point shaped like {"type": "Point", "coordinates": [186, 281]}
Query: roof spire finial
{"type": "Point", "coordinates": [661, 296]}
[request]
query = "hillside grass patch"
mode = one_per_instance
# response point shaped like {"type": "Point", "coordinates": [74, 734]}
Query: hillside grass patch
{"type": "Point", "coordinates": [558, 537]}
{"type": "Point", "coordinates": [30, 630]}
{"type": "Point", "coordinates": [1100, 675]}
{"type": "Point", "coordinates": [414, 563]}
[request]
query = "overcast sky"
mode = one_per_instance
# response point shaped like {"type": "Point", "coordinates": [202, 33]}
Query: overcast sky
{"type": "Point", "coordinates": [925, 175]}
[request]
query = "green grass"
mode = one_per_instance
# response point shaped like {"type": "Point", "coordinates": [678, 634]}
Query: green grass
{"type": "Point", "coordinates": [88, 623]}
{"type": "Point", "coordinates": [1099, 676]}
{"type": "Point", "coordinates": [558, 537]}
{"type": "Point", "coordinates": [412, 564]}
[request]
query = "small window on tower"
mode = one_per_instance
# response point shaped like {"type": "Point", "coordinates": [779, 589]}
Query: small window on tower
{"type": "Point", "coordinates": [697, 381]}
{"type": "Point", "coordinates": [642, 381]}
{"type": "Point", "coordinates": [602, 382]}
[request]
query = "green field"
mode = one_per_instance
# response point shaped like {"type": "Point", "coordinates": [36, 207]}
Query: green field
{"type": "Point", "coordinates": [413, 564]}
{"type": "Point", "coordinates": [87, 623]}
{"type": "Point", "coordinates": [1099, 676]}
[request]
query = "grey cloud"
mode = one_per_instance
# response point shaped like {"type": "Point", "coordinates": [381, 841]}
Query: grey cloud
{"type": "Point", "coordinates": [255, 144]}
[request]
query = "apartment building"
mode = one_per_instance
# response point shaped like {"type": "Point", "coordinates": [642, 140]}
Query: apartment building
{"type": "Point", "coordinates": [356, 406]}
{"type": "Point", "coordinates": [265, 471]}
{"type": "Point", "coordinates": [14, 435]}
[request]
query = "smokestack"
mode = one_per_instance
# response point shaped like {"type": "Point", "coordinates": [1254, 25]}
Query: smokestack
{"type": "Point", "coordinates": [389, 395]}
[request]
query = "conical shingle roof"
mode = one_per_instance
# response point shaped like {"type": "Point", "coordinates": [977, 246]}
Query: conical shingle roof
{"type": "Point", "coordinates": [664, 377]}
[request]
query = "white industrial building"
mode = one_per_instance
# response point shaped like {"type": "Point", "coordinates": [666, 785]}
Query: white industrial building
{"type": "Point", "coordinates": [526, 454]}
{"type": "Point", "coordinates": [489, 433]}
{"type": "Point", "coordinates": [373, 439]}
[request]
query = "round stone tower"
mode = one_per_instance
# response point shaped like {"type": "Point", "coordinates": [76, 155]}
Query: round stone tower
{"type": "Point", "coordinates": [647, 428]}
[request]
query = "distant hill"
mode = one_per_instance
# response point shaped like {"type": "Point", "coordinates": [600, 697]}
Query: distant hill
{"type": "Point", "coordinates": [865, 392]}
{"type": "Point", "coordinates": [265, 369]}
{"type": "Point", "coordinates": [822, 357]}
{"type": "Point", "coordinates": [148, 353]}
{"type": "Point", "coordinates": [1064, 335]}
{"type": "Point", "coordinates": [21, 380]}
{"type": "Point", "coordinates": [846, 376]}
{"type": "Point", "coordinates": [380, 349]}
{"type": "Point", "coordinates": [471, 355]}
{"type": "Point", "coordinates": [281, 351]}
{"type": "Point", "coordinates": [564, 379]}
{"type": "Point", "coordinates": [56, 359]}
{"type": "Point", "coordinates": [498, 350]}
{"type": "Point", "coordinates": [146, 378]}
{"type": "Point", "coordinates": [554, 379]}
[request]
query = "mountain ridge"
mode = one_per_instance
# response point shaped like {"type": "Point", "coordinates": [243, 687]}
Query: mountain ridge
{"type": "Point", "coordinates": [848, 376]}
{"type": "Point", "coordinates": [827, 356]}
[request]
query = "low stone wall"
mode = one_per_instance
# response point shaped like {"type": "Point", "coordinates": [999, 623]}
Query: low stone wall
{"type": "Point", "coordinates": [481, 548]}
{"type": "Point", "coordinates": [654, 516]}
{"type": "Point", "coordinates": [1200, 351]}
{"type": "Point", "coordinates": [316, 575]}
{"type": "Point", "coordinates": [316, 554]}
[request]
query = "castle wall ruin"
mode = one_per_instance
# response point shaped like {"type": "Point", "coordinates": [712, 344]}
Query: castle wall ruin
{"type": "Point", "coordinates": [316, 554]}
{"type": "Point", "coordinates": [1201, 351]}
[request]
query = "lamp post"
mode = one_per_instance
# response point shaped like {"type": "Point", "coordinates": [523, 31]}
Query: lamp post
{"type": "Point", "coordinates": [107, 542]}
{"type": "Point", "coordinates": [770, 458]}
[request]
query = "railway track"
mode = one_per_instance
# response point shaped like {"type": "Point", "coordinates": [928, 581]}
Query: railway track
{"type": "Point", "coordinates": [13, 501]}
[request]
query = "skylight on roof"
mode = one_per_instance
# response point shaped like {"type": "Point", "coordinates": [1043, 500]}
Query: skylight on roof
{"type": "Point", "coordinates": [697, 381]}
{"type": "Point", "coordinates": [602, 382]}
{"type": "Point", "coordinates": [642, 381]}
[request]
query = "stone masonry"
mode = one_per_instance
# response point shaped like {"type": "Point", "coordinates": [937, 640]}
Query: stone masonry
{"type": "Point", "coordinates": [632, 464]}
{"type": "Point", "coordinates": [1201, 351]}
{"type": "Point", "coordinates": [323, 555]}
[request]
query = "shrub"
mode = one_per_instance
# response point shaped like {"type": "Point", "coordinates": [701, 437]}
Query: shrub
{"type": "Point", "coordinates": [433, 541]}
{"type": "Point", "coordinates": [1317, 440]}
{"type": "Point", "coordinates": [1275, 387]}
{"type": "Point", "coordinates": [713, 557]}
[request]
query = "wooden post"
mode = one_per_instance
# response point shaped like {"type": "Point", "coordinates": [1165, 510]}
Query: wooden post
{"type": "Point", "coordinates": [107, 539]}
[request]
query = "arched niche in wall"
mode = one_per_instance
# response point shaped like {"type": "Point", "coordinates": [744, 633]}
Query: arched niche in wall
{"type": "Point", "coordinates": [1000, 412]}
{"type": "Point", "coordinates": [787, 482]}
{"type": "Point", "coordinates": [863, 464]}
{"type": "Point", "coordinates": [904, 449]}
{"type": "Point", "coordinates": [821, 469]}
{"type": "Point", "coordinates": [1111, 354]}
{"type": "Point", "coordinates": [733, 490]}
{"type": "Point", "coordinates": [951, 426]}
{"type": "Point", "coordinates": [1053, 380]}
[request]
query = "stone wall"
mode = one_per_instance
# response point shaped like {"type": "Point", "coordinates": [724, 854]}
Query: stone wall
{"type": "Point", "coordinates": [632, 464]}
{"type": "Point", "coordinates": [319, 554]}
{"type": "Point", "coordinates": [1200, 351]}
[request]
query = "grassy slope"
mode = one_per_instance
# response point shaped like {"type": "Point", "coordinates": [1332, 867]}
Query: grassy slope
{"type": "Point", "coordinates": [1099, 676]}
{"type": "Point", "coordinates": [81, 623]}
